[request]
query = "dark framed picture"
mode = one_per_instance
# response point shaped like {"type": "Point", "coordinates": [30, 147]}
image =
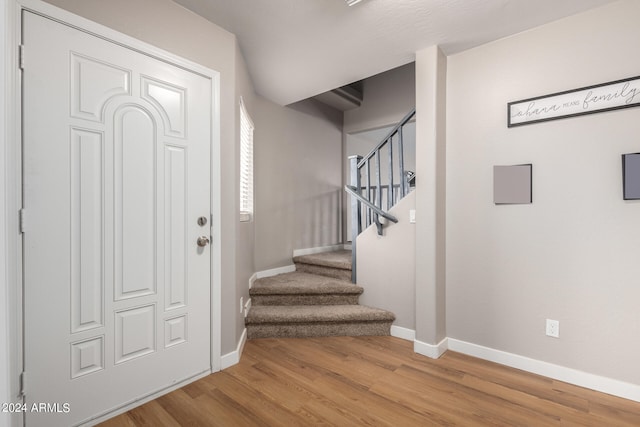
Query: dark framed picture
{"type": "Point", "coordinates": [576, 102]}
{"type": "Point", "coordinates": [631, 176]}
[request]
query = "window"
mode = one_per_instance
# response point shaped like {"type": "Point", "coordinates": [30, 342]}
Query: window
{"type": "Point", "coordinates": [246, 164]}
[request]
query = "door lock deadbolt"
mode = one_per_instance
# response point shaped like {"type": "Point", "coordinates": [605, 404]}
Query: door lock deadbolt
{"type": "Point", "coordinates": [202, 221]}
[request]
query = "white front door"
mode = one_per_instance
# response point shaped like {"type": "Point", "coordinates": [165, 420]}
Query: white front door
{"type": "Point", "coordinates": [116, 174]}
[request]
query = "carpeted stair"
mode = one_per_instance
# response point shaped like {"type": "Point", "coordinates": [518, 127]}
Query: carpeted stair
{"type": "Point", "coordinates": [336, 264]}
{"type": "Point", "coordinates": [315, 300]}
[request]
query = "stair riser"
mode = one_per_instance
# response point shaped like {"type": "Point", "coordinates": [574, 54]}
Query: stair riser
{"type": "Point", "coordinates": [335, 273]}
{"type": "Point", "coordinates": [304, 299]}
{"type": "Point", "coordinates": [316, 300]}
{"type": "Point", "coordinates": [306, 330]}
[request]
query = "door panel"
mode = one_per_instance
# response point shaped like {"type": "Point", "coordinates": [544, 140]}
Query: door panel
{"type": "Point", "coordinates": [175, 227]}
{"type": "Point", "coordinates": [135, 207]}
{"type": "Point", "coordinates": [87, 286]}
{"type": "Point", "coordinates": [116, 169]}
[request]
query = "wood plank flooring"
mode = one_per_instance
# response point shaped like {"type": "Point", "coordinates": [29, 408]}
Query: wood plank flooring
{"type": "Point", "coordinates": [374, 381]}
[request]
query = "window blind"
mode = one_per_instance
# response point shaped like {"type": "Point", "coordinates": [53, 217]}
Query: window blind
{"type": "Point", "coordinates": [246, 164]}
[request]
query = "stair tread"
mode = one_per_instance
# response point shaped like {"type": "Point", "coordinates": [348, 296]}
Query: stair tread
{"type": "Point", "coordinates": [335, 259]}
{"type": "Point", "coordinates": [316, 313]}
{"type": "Point", "coordinates": [316, 300]}
{"type": "Point", "coordinates": [296, 283]}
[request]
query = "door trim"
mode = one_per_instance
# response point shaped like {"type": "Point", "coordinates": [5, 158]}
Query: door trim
{"type": "Point", "coordinates": [12, 191]}
{"type": "Point", "coordinates": [11, 194]}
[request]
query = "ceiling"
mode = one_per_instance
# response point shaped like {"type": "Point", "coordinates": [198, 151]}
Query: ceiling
{"type": "Point", "coordinates": [296, 49]}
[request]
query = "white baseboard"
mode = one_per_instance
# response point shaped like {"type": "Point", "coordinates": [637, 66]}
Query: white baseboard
{"type": "Point", "coordinates": [275, 271]}
{"type": "Point", "coordinates": [560, 373]}
{"type": "Point", "coordinates": [403, 333]}
{"type": "Point", "coordinates": [430, 350]}
{"type": "Point", "coordinates": [252, 279]}
{"type": "Point", "coordinates": [347, 246]}
{"type": "Point", "coordinates": [318, 250]}
{"type": "Point", "coordinates": [233, 358]}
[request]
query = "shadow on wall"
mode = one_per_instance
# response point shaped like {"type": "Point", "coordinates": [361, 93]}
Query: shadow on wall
{"type": "Point", "coordinates": [323, 224]}
{"type": "Point", "coordinates": [316, 109]}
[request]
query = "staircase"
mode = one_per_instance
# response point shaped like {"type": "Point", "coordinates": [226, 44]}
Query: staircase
{"type": "Point", "coordinates": [317, 299]}
{"type": "Point", "coordinates": [372, 196]}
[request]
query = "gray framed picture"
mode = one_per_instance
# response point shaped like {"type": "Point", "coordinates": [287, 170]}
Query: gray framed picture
{"type": "Point", "coordinates": [512, 184]}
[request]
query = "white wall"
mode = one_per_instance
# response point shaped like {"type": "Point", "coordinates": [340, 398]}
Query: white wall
{"type": "Point", "coordinates": [573, 254]}
{"type": "Point", "coordinates": [431, 188]}
{"type": "Point", "coordinates": [386, 265]}
{"type": "Point", "coordinates": [298, 179]}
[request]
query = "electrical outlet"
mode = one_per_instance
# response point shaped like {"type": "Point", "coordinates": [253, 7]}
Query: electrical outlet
{"type": "Point", "coordinates": [553, 328]}
{"type": "Point", "coordinates": [412, 216]}
{"type": "Point", "coordinates": [247, 307]}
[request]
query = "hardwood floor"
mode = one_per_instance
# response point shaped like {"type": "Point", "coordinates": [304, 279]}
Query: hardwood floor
{"type": "Point", "coordinates": [374, 381]}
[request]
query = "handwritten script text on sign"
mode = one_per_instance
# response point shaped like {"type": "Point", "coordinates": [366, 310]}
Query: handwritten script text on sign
{"type": "Point", "coordinates": [620, 94]}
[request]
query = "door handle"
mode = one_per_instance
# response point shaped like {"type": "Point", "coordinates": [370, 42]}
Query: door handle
{"type": "Point", "coordinates": [203, 241]}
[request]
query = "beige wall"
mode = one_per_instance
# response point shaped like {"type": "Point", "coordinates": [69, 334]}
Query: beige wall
{"type": "Point", "coordinates": [573, 254]}
{"type": "Point", "coordinates": [388, 97]}
{"type": "Point", "coordinates": [245, 262]}
{"type": "Point", "coordinates": [298, 180]}
{"type": "Point", "coordinates": [386, 265]}
{"type": "Point", "coordinates": [169, 26]}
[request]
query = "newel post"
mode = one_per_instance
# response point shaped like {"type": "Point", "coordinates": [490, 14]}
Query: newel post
{"type": "Point", "coordinates": [356, 217]}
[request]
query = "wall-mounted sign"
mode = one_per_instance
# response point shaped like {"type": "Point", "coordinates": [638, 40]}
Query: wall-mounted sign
{"type": "Point", "coordinates": [577, 102]}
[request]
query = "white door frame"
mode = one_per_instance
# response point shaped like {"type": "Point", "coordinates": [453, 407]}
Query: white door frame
{"type": "Point", "coordinates": [11, 264]}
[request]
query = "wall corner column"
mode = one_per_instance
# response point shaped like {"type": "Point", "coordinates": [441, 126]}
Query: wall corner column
{"type": "Point", "coordinates": [431, 71]}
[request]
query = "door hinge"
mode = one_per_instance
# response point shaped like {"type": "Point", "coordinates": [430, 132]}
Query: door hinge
{"type": "Point", "coordinates": [23, 383]}
{"type": "Point", "coordinates": [22, 222]}
{"type": "Point", "coordinates": [21, 56]}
